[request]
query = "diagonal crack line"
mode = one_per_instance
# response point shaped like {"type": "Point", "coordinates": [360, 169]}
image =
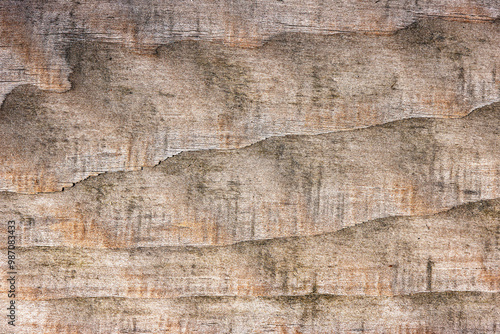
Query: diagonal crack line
{"type": "Point", "coordinates": [480, 205]}
{"type": "Point", "coordinates": [259, 142]}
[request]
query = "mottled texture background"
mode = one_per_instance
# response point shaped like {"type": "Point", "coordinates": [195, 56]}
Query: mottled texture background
{"type": "Point", "coordinates": [250, 166]}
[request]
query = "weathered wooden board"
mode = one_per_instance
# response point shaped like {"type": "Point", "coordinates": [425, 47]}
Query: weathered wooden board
{"type": "Point", "coordinates": [38, 31]}
{"type": "Point", "coordinates": [294, 185]}
{"type": "Point", "coordinates": [267, 166]}
{"type": "Point", "coordinates": [457, 250]}
{"type": "Point", "coordinates": [129, 110]}
{"type": "Point", "coordinates": [450, 312]}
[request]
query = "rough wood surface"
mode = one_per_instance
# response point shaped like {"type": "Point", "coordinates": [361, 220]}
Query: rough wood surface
{"type": "Point", "coordinates": [267, 166]}
{"type": "Point", "coordinates": [450, 312]}
{"type": "Point", "coordinates": [294, 185]}
{"type": "Point", "coordinates": [127, 110]}
{"type": "Point", "coordinates": [38, 31]}
{"type": "Point", "coordinates": [457, 250]}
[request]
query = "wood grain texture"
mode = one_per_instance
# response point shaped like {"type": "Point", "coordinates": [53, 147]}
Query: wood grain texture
{"type": "Point", "coordinates": [457, 250]}
{"type": "Point", "coordinates": [127, 110]}
{"type": "Point", "coordinates": [294, 185]}
{"type": "Point", "coordinates": [279, 166]}
{"type": "Point", "coordinates": [38, 31]}
{"type": "Point", "coordinates": [449, 312]}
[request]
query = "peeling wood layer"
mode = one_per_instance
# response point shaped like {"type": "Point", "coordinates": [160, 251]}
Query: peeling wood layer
{"type": "Point", "coordinates": [250, 166]}
{"type": "Point", "coordinates": [128, 110]}
{"type": "Point", "coordinates": [416, 314]}
{"type": "Point", "coordinates": [288, 186]}
{"type": "Point", "coordinates": [457, 250]}
{"type": "Point", "coordinates": [38, 31]}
